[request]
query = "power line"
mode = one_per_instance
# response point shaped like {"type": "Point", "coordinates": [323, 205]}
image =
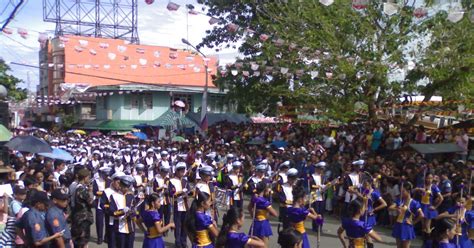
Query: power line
{"type": "Point", "coordinates": [111, 78]}
{"type": "Point", "coordinates": [12, 15]}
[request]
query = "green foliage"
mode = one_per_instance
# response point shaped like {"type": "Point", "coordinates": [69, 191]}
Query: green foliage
{"type": "Point", "coordinates": [10, 82]}
{"type": "Point", "coordinates": [361, 48]}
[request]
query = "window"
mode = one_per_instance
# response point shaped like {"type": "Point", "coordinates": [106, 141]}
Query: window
{"type": "Point", "coordinates": [134, 101]}
{"type": "Point", "coordinates": [147, 100]}
{"type": "Point", "coordinates": [127, 101]}
{"type": "Point", "coordinates": [186, 98]}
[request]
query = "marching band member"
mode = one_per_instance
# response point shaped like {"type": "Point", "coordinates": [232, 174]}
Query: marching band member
{"type": "Point", "coordinates": [141, 180]}
{"type": "Point", "coordinates": [261, 227]}
{"type": "Point", "coordinates": [121, 207]}
{"type": "Point", "coordinates": [160, 186]}
{"type": "Point", "coordinates": [297, 214]}
{"type": "Point", "coordinates": [149, 161]}
{"type": "Point", "coordinates": [370, 196]}
{"type": "Point", "coordinates": [228, 164]}
{"type": "Point", "coordinates": [286, 196]}
{"type": "Point", "coordinates": [407, 209]}
{"type": "Point", "coordinates": [201, 228]}
{"type": "Point", "coordinates": [317, 187]}
{"type": "Point", "coordinates": [462, 216]}
{"type": "Point", "coordinates": [126, 158]}
{"type": "Point", "coordinates": [114, 188]}
{"type": "Point", "coordinates": [233, 183]}
{"type": "Point", "coordinates": [352, 182]}
{"type": "Point", "coordinates": [258, 176]}
{"type": "Point", "coordinates": [98, 187]}
{"type": "Point", "coordinates": [229, 237]}
{"type": "Point", "coordinates": [443, 231]}
{"type": "Point", "coordinates": [430, 200]}
{"type": "Point", "coordinates": [178, 188]}
{"type": "Point", "coordinates": [205, 185]}
{"type": "Point", "coordinates": [356, 230]}
{"type": "Point", "coordinates": [151, 218]}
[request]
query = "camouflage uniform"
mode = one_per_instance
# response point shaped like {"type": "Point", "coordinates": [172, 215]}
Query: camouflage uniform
{"type": "Point", "coordinates": [81, 216]}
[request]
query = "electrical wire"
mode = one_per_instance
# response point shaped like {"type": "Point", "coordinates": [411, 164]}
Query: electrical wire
{"type": "Point", "coordinates": [12, 15]}
{"type": "Point", "coordinates": [111, 78]}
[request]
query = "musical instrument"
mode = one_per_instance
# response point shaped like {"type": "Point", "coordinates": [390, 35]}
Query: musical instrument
{"type": "Point", "coordinates": [222, 198]}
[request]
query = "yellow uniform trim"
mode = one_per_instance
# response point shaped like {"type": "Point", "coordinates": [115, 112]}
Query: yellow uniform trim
{"type": "Point", "coordinates": [299, 227]}
{"type": "Point", "coordinates": [153, 232]}
{"type": "Point", "coordinates": [357, 242]}
{"type": "Point", "coordinates": [203, 238]}
{"type": "Point", "coordinates": [261, 214]}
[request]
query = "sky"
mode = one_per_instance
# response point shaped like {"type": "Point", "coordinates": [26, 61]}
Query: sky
{"type": "Point", "coordinates": [156, 26]}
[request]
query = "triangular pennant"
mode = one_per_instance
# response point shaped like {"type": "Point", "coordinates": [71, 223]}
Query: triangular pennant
{"type": "Point", "coordinates": [172, 6]}
{"type": "Point", "coordinates": [326, 2]}
{"type": "Point", "coordinates": [455, 15]}
{"type": "Point", "coordinates": [390, 8]}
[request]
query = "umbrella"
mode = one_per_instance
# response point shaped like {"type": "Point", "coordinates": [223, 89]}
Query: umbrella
{"type": "Point", "coordinates": [96, 133]}
{"type": "Point", "coordinates": [140, 135]}
{"type": "Point", "coordinates": [130, 136]}
{"type": "Point", "coordinates": [5, 134]}
{"type": "Point", "coordinates": [58, 154]}
{"type": "Point", "coordinates": [28, 144]}
{"type": "Point", "coordinates": [179, 104]}
{"type": "Point", "coordinates": [81, 132]}
{"type": "Point", "coordinates": [256, 142]}
{"type": "Point", "coordinates": [178, 139]}
{"type": "Point", "coordinates": [279, 144]}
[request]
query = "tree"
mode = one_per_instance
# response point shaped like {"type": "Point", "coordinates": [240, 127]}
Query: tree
{"type": "Point", "coordinates": [10, 82]}
{"type": "Point", "coordinates": [335, 55]}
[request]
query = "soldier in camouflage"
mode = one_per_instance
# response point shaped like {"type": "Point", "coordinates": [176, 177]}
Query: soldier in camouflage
{"type": "Point", "coordinates": [81, 214]}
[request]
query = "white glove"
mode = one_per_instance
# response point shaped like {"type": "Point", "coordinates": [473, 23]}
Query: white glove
{"type": "Point", "coordinates": [126, 209]}
{"type": "Point", "coordinates": [185, 190]}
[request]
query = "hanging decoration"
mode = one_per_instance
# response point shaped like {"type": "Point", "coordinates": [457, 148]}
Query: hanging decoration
{"type": "Point", "coordinates": [172, 6]}
{"type": "Point", "coordinates": [420, 12]}
{"type": "Point", "coordinates": [23, 33]}
{"type": "Point", "coordinates": [326, 2]}
{"type": "Point", "coordinates": [359, 4]}
{"type": "Point", "coordinates": [455, 15]}
{"type": "Point", "coordinates": [149, 1]}
{"type": "Point", "coordinates": [390, 8]}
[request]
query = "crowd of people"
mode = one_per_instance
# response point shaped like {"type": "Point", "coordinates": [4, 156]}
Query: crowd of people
{"type": "Point", "coordinates": [199, 189]}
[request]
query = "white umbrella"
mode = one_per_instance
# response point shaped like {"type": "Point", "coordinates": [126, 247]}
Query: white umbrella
{"type": "Point", "coordinates": [179, 104]}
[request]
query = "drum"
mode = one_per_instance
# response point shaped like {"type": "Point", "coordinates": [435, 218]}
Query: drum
{"type": "Point", "coordinates": [222, 198]}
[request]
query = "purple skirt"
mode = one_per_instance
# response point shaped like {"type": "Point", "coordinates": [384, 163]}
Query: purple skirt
{"type": "Point", "coordinates": [206, 246]}
{"type": "Point", "coordinates": [306, 243]}
{"type": "Point", "coordinates": [262, 228]}
{"type": "Point", "coordinates": [153, 243]}
{"type": "Point", "coordinates": [427, 212]}
{"type": "Point", "coordinates": [403, 231]}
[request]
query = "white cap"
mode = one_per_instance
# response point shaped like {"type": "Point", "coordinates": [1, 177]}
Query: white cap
{"type": "Point", "coordinates": [236, 164]}
{"type": "Point", "coordinates": [292, 172]}
{"type": "Point", "coordinates": [321, 164]}
{"type": "Point", "coordinates": [359, 162]}
{"type": "Point", "coordinates": [117, 175]}
{"type": "Point", "coordinates": [181, 165]}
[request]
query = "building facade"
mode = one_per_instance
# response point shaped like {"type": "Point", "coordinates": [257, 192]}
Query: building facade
{"type": "Point", "coordinates": [109, 80]}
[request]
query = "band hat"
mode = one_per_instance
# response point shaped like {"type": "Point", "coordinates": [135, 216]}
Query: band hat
{"type": "Point", "coordinates": [206, 170]}
{"type": "Point", "coordinates": [292, 172]}
{"type": "Point", "coordinates": [181, 165]}
{"type": "Point", "coordinates": [237, 164]}
{"type": "Point", "coordinates": [285, 164]}
{"type": "Point", "coordinates": [261, 167]}
{"type": "Point", "coordinates": [127, 180]}
{"type": "Point", "coordinates": [321, 164]}
{"type": "Point", "coordinates": [117, 175]}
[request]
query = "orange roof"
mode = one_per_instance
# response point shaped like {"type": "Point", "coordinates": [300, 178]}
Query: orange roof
{"type": "Point", "coordinates": [101, 62]}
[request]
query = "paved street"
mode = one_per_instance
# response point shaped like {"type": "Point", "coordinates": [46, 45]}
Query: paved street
{"type": "Point", "coordinates": [328, 238]}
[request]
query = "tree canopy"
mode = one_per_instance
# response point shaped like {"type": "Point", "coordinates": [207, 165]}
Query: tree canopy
{"type": "Point", "coordinates": [301, 52]}
{"type": "Point", "coordinates": [11, 83]}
